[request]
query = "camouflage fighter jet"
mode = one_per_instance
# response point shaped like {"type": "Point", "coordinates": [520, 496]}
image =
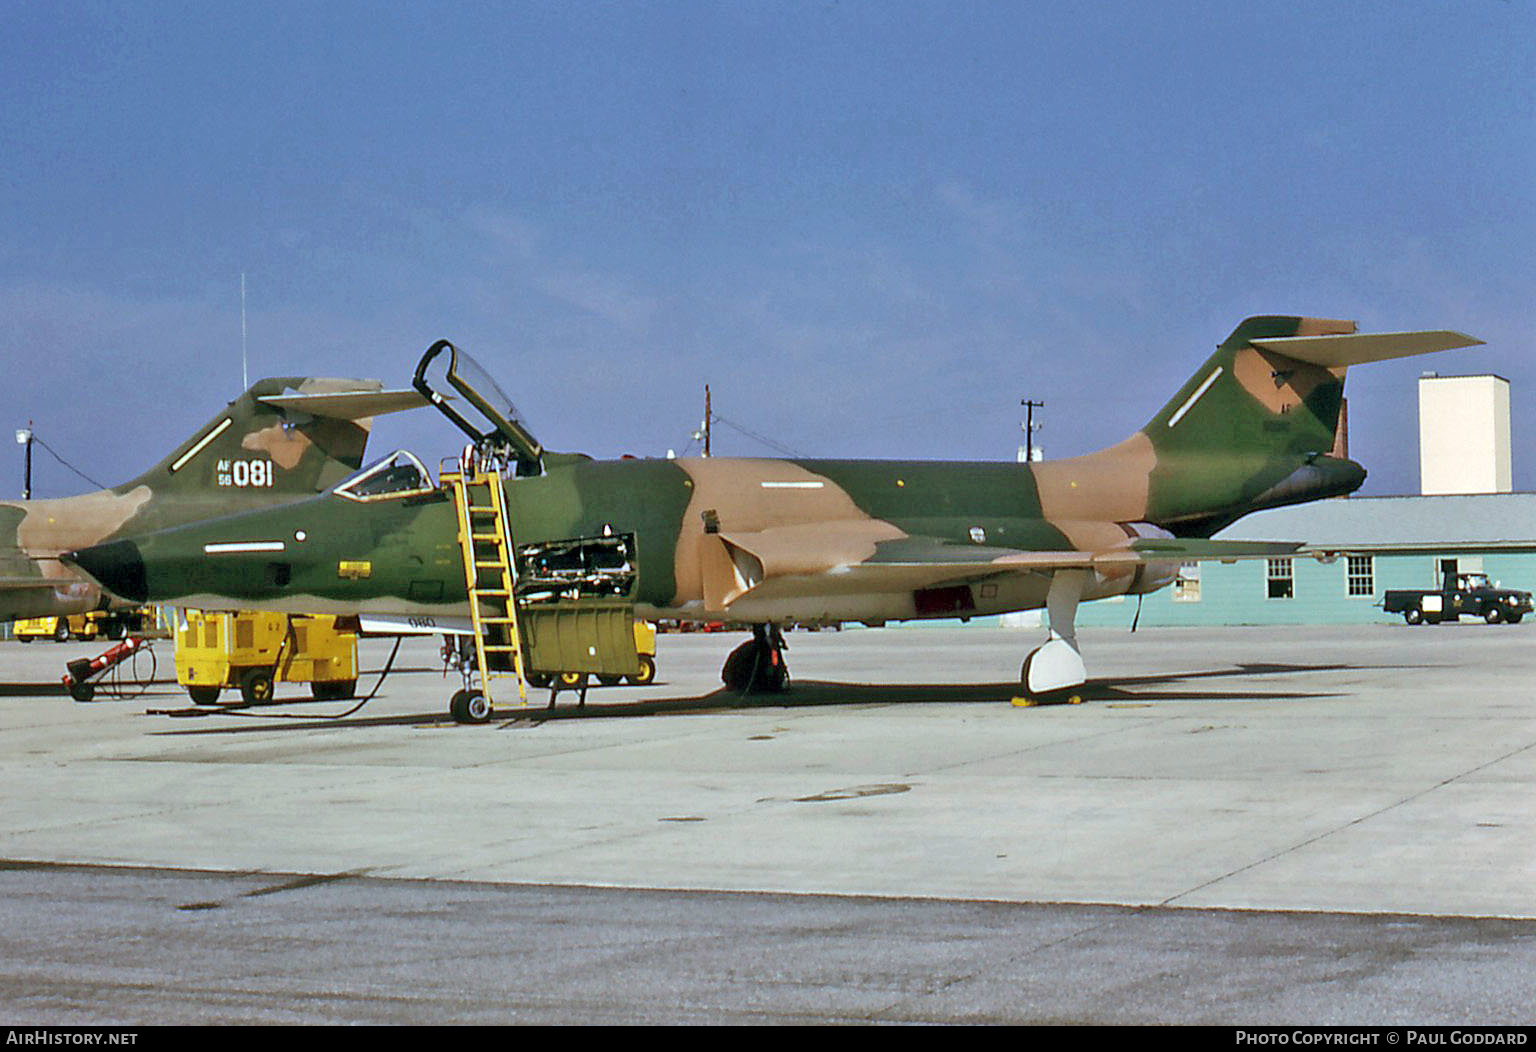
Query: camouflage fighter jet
{"type": "Point", "coordinates": [285, 438]}
{"type": "Point", "coordinates": [769, 542]}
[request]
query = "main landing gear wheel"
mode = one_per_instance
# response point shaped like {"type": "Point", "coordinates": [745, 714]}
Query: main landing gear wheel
{"type": "Point", "coordinates": [757, 666]}
{"type": "Point", "coordinates": [1052, 673]}
{"type": "Point", "coordinates": [469, 706]}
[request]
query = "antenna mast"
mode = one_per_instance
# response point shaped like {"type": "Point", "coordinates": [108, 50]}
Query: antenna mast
{"type": "Point", "coordinates": [245, 378]}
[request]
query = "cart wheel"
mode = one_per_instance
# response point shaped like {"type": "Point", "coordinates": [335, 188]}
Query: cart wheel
{"type": "Point", "coordinates": [538, 679]}
{"type": "Point", "coordinates": [609, 681]}
{"type": "Point", "coordinates": [204, 695]}
{"type": "Point", "coordinates": [256, 685]}
{"type": "Point", "coordinates": [335, 690]}
{"type": "Point", "coordinates": [82, 691]}
{"type": "Point", "coordinates": [469, 706]}
{"type": "Point", "coordinates": [61, 631]}
{"type": "Point", "coordinates": [647, 673]}
{"type": "Point", "coordinates": [573, 680]}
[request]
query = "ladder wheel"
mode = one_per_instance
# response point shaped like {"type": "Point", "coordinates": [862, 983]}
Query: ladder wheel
{"type": "Point", "coordinates": [469, 706]}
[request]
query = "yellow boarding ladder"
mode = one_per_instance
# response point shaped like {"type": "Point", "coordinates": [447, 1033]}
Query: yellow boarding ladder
{"type": "Point", "coordinates": [488, 573]}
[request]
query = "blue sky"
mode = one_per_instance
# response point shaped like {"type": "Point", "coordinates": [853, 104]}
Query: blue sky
{"type": "Point", "coordinates": [872, 228]}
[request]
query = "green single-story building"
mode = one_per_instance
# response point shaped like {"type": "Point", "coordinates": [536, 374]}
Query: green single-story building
{"type": "Point", "coordinates": [1355, 549]}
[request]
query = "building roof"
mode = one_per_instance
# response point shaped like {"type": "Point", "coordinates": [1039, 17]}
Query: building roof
{"type": "Point", "coordinates": [1482, 522]}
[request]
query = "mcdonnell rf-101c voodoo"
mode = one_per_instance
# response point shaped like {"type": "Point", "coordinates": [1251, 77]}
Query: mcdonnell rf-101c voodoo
{"type": "Point", "coordinates": [285, 438]}
{"type": "Point", "coordinates": [769, 542]}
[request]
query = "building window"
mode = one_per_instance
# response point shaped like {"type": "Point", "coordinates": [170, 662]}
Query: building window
{"type": "Point", "coordinates": [1280, 583]}
{"type": "Point", "coordinates": [1186, 586]}
{"type": "Point", "coordinates": [1360, 577]}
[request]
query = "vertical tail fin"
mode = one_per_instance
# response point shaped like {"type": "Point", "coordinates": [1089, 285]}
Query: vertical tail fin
{"type": "Point", "coordinates": [286, 436]}
{"type": "Point", "coordinates": [1256, 425]}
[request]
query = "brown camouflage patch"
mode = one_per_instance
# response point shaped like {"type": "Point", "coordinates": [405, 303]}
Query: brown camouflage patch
{"type": "Point", "coordinates": [62, 524]}
{"type": "Point", "coordinates": [285, 447]}
{"type": "Point", "coordinates": [1109, 486]}
{"type": "Point", "coordinates": [790, 520]}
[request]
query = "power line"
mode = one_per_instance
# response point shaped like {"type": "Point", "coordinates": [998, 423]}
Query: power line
{"type": "Point", "coordinates": [66, 463]}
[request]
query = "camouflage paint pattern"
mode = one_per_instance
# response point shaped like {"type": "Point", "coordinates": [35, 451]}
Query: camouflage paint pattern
{"type": "Point", "coordinates": [800, 539]}
{"type": "Point", "coordinates": [248, 456]}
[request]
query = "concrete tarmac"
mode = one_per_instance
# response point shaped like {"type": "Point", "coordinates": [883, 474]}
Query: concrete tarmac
{"type": "Point", "coordinates": [1238, 825]}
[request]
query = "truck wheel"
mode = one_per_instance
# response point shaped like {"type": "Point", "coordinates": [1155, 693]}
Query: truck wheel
{"type": "Point", "coordinates": [1413, 615]}
{"type": "Point", "coordinates": [1514, 618]}
{"type": "Point", "coordinates": [1493, 615]}
{"type": "Point", "coordinates": [203, 695]}
{"type": "Point", "coordinates": [61, 631]}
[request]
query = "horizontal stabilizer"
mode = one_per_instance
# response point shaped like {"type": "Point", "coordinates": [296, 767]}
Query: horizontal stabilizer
{"type": "Point", "coordinates": [1190, 550]}
{"type": "Point", "coordinates": [1359, 348]}
{"type": "Point", "coordinates": [10, 583]}
{"type": "Point", "coordinates": [347, 405]}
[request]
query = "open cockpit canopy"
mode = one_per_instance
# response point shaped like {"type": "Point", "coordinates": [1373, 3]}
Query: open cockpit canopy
{"type": "Point", "coordinates": [465, 393]}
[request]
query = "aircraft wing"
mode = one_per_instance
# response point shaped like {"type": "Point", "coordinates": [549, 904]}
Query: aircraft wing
{"type": "Point", "coordinates": [9, 583]}
{"type": "Point", "coordinates": [347, 405]}
{"type": "Point", "coordinates": [774, 563]}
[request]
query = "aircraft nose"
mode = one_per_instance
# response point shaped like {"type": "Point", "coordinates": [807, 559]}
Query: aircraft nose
{"type": "Point", "coordinates": [118, 566]}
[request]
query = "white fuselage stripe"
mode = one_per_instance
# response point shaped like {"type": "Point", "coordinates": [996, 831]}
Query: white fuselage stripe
{"type": "Point", "coordinates": [228, 547]}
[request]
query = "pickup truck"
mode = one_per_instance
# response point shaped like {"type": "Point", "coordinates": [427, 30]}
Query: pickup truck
{"type": "Point", "coordinates": [1460, 593]}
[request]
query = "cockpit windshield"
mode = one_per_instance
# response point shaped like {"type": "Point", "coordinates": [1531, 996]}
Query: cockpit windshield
{"type": "Point", "coordinates": [398, 475]}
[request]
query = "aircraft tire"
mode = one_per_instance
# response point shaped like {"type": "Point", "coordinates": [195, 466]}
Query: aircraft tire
{"type": "Point", "coordinates": [469, 706]}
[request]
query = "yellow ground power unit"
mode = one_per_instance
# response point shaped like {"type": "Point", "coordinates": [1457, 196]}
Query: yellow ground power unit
{"type": "Point", "coordinates": [254, 651]}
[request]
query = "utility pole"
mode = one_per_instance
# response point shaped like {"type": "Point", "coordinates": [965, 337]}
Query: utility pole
{"type": "Point", "coordinates": [24, 438]}
{"type": "Point", "coordinates": [1029, 427]}
{"type": "Point", "coordinates": [707, 414]}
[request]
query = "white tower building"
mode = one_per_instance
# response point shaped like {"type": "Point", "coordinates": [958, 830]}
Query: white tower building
{"type": "Point", "coordinates": [1464, 434]}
